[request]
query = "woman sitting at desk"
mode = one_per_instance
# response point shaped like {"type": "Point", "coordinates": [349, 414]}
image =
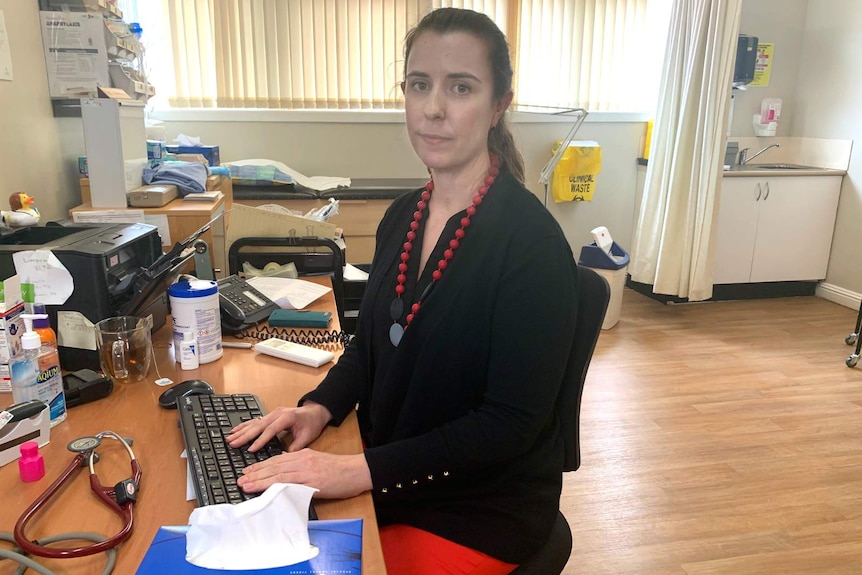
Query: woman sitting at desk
{"type": "Point", "coordinates": [463, 337]}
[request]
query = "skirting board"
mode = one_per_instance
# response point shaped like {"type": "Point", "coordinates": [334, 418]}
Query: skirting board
{"type": "Point", "coordinates": [838, 295]}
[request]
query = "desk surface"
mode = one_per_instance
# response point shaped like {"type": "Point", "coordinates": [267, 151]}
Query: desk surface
{"type": "Point", "coordinates": [132, 411]}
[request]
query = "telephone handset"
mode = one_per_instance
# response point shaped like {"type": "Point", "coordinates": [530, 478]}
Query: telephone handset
{"type": "Point", "coordinates": [242, 306]}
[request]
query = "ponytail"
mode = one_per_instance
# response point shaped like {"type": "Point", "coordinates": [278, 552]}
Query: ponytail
{"type": "Point", "coordinates": [502, 144]}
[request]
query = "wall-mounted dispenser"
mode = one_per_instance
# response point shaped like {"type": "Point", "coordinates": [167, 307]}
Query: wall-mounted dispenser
{"type": "Point", "coordinates": [746, 58]}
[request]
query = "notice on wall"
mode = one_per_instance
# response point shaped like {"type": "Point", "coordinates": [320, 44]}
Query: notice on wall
{"type": "Point", "coordinates": [5, 52]}
{"type": "Point", "coordinates": [763, 65]}
{"type": "Point", "coordinates": [75, 53]}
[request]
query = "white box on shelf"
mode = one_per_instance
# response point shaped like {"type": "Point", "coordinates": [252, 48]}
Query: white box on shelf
{"type": "Point", "coordinates": [116, 143]}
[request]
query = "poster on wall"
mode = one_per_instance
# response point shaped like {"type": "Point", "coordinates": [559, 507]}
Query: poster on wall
{"type": "Point", "coordinates": [75, 53]}
{"type": "Point", "coordinates": [5, 53]}
{"type": "Point", "coordinates": [763, 65]}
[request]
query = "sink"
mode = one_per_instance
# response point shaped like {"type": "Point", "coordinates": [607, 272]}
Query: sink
{"type": "Point", "coordinates": [778, 167]}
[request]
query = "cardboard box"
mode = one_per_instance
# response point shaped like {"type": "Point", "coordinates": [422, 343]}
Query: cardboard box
{"type": "Point", "coordinates": [11, 328]}
{"type": "Point", "coordinates": [211, 153]}
{"type": "Point", "coordinates": [248, 221]}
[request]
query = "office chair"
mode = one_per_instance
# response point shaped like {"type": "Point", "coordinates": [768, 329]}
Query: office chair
{"type": "Point", "coordinates": [593, 296]}
{"type": "Point", "coordinates": [307, 262]}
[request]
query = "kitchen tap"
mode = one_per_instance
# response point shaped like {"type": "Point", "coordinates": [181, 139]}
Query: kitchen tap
{"type": "Point", "coordinates": [743, 159]}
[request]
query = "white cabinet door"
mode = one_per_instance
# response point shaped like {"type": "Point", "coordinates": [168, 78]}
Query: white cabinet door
{"type": "Point", "coordinates": [736, 230]}
{"type": "Point", "coordinates": [794, 229]}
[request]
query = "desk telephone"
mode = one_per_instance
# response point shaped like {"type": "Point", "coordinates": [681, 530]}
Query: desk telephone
{"type": "Point", "coordinates": [242, 306]}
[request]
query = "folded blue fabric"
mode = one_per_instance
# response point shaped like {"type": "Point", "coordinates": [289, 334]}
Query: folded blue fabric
{"type": "Point", "coordinates": [188, 177]}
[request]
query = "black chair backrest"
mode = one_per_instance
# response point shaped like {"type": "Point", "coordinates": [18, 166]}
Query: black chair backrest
{"type": "Point", "coordinates": [593, 296]}
{"type": "Point", "coordinates": [330, 263]}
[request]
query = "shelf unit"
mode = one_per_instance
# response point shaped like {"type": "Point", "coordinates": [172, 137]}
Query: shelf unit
{"type": "Point", "coordinates": [98, 54]}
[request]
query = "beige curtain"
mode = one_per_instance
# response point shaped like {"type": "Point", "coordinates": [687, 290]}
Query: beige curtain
{"type": "Point", "coordinates": [672, 244]}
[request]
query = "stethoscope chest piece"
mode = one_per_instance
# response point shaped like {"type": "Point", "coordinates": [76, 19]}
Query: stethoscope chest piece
{"type": "Point", "coordinates": [84, 444]}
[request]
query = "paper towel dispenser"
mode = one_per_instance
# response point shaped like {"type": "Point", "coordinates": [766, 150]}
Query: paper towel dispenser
{"type": "Point", "coordinates": [746, 59]}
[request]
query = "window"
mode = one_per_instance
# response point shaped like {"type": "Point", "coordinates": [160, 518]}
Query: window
{"type": "Point", "coordinates": [603, 55]}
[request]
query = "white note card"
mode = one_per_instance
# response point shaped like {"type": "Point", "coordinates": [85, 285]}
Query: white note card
{"type": "Point", "coordinates": [52, 282]}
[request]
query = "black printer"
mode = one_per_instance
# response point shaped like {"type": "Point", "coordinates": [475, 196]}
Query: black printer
{"type": "Point", "coordinates": [106, 263]}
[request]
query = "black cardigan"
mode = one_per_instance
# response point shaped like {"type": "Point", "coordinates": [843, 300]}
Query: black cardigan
{"type": "Point", "coordinates": [458, 421]}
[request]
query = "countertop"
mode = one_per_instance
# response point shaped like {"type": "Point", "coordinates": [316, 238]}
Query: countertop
{"type": "Point", "coordinates": [754, 172]}
{"type": "Point", "coordinates": [360, 189]}
{"type": "Point", "coordinates": [757, 171]}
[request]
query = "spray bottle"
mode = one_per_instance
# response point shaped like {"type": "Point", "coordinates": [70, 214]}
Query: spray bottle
{"type": "Point", "coordinates": [36, 372]}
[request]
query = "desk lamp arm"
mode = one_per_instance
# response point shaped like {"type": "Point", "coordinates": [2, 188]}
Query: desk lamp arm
{"type": "Point", "coordinates": [545, 174]}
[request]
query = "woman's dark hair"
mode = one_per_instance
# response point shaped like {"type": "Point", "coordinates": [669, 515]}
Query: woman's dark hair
{"type": "Point", "coordinates": [447, 20]}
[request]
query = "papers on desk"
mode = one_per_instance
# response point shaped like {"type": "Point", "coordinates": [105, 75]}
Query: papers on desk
{"type": "Point", "coordinates": [126, 216]}
{"type": "Point", "coordinates": [288, 293]}
{"type": "Point", "coordinates": [210, 196]}
{"type": "Point", "coordinates": [354, 274]}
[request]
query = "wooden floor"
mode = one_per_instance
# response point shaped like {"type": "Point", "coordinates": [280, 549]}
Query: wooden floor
{"type": "Point", "coordinates": [720, 438]}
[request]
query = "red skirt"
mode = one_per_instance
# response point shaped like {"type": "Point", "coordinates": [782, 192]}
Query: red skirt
{"type": "Point", "coordinates": [411, 551]}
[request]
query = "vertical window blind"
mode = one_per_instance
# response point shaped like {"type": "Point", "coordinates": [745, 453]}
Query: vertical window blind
{"type": "Point", "coordinates": [603, 55]}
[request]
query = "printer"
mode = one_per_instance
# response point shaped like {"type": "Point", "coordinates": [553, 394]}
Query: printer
{"type": "Point", "coordinates": [107, 265]}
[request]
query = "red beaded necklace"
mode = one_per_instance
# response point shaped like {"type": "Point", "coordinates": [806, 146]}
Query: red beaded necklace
{"type": "Point", "coordinates": [396, 331]}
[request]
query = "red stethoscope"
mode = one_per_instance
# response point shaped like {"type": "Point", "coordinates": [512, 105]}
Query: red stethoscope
{"type": "Point", "coordinates": [120, 498]}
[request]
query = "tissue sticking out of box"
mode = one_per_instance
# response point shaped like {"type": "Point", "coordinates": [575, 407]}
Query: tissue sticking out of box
{"type": "Point", "coordinates": [184, 140]}
{"type": "Point", "coordinates": [266, 532]}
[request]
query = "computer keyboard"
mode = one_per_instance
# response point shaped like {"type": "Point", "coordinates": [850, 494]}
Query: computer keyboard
{"type": "Point", "coordinates": [215, 466]}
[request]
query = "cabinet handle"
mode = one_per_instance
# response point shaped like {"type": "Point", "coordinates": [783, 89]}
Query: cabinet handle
{"type": "Point", "coordinates": [757, 198]}
{"type": "Point", "coordinates": [767, 192]}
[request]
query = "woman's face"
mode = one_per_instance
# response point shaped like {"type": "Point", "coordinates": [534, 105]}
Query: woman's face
{"type": "Point", "coordinates": [449, 100]}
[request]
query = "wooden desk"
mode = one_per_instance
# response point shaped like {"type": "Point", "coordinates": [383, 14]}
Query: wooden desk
{"type": "Point", "coordinates": [179, 219]}
{"type": "Point", "coordinates": [132, 411]}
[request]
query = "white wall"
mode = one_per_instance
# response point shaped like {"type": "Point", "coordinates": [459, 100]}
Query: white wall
{"type": "Point", "coordinates": [30, 150]}
{"type": "Point", "coordinates": [780, 22]}
{"type": "Point", "coordinates": [828, 99]}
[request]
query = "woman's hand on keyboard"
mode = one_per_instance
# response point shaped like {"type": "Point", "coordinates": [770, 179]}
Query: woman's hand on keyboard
{"type": "Point", "coordinates": [335, 476]}
{"type": "Point", "coordinates": [305, 424]}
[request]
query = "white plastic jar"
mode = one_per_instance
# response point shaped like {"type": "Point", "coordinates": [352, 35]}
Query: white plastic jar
{"type": "Point", "coordinates": [195, 309]}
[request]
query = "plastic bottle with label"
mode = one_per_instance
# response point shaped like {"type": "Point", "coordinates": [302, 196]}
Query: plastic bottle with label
{"type": "Point", "coordinates": [36, 372]}
{"type": "Point", "coordinates": [189, 351]}
{"type": "Point", "coordinates": [43, 327]}
{"type": "Point", "coordinates": [770, 110]}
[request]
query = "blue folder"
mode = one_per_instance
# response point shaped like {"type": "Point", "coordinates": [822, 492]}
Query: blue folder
{"type": "Point", "coordinates": [339, 541]}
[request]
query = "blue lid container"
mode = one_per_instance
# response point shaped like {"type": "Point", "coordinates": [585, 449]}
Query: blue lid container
{"type": "Point", "coordinates": [193, 288]}
{"type": "Point", "coordinates": [592, 256]}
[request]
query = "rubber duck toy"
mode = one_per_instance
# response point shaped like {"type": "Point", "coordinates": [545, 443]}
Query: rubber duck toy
{"type": "Point", "coordinates": [23, 212]}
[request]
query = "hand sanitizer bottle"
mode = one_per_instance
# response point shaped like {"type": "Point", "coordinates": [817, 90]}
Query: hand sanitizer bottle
{"type": "Point", "coordinates": [36, 372]}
